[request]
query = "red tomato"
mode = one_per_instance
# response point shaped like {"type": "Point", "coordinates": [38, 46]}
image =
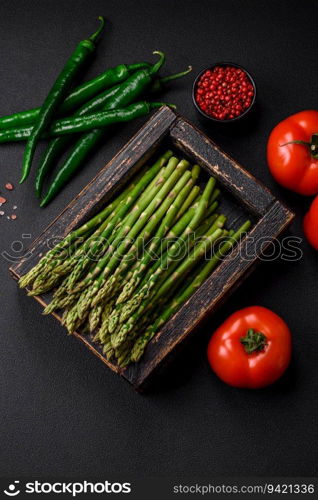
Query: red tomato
{"type": "Point", "coordinates": [311, 224]}
{"type": "Point", "coordinates": [295, 166]}
{"type": "Point", "coordinates": [252, 348]}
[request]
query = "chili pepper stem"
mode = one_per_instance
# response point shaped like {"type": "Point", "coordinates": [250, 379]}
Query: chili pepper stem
{"type": "Point", "coordinates": [175, 76]}
{"type": "Point", "coordinates": [97, 33]}
{"type": "Point", "coordinates": [156, 67]}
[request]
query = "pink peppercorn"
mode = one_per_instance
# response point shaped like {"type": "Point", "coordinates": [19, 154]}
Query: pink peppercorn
{"type": "Point", "coordinates": [224, 92]}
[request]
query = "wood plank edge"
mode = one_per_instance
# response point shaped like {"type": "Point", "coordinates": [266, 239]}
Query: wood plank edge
{"type": "Point", "coordinates": [175, 137]}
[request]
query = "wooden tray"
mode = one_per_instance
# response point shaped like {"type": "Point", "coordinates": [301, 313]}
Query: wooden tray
{"type": "Point", "coordinates": [242, 193]}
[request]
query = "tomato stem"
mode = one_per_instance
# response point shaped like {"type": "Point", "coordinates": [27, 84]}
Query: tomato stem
{"type": "Point", "coordinates": [312, 145]}
{"type": "Point", "coordinates": [253, 341]}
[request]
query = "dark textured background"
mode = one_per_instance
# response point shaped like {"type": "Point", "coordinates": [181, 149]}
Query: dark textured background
{"type": "Point", "coordinates": [63, 412]}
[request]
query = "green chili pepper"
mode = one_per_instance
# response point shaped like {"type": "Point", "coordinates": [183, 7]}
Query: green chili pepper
{"type": "Point", "coordinates": [59, 144]}
{"type": "Point", "coordinates": [23, 133]}
{"type": "Point", "coordinates": [57, 94]}
{"type": "Point", "coordinates": [76, 124]}
{"type": "Point", "coordinates": [77, 97]}
{"type": "Point", "coordinates": [130, 90]}
{"type": "Point", "coordinates": [100, 119]}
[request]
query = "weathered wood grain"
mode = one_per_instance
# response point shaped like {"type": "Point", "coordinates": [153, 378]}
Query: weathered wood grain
{"type": "Point", "coordinates": [271, 217]}
{"type": "Point", "coordinates": [249, 191]}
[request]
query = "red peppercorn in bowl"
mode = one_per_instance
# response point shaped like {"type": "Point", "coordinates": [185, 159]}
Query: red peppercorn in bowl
{"type": "Point", "coordinates": [224, 92]}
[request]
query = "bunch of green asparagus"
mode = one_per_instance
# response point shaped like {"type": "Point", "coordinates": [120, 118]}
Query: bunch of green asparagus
{"type": "Point", "coordinates": [124, 273]}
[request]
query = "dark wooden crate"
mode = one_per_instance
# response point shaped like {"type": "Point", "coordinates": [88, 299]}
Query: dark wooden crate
{"type": "Point", "coordinates": [243, 195]}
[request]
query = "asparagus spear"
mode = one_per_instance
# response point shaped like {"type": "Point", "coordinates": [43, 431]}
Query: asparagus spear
{"type": "Point", "coordinates": [213, 222]}
{"type": "Point", "coordinates": [53, 255]}
{"type": "Point", "coordinates": [102, 333]}
{"type": "Point", "coordinates": [187, 265]}
{"type": "Point", "coordinates": [207, 269]}
{"type": "Point", "coordinates": [170, 209]}
{"type": "Point", "coordinates": [195, 172]}
{"type": "Point", "coordinates": [112, 300]}
{"type": "Point", "coordinates": [108, 350]}
{"type": "Point", "coordinates": [87, 254]}
{"type": "Point", "coordinates": [105, 267]}
{"type": "Point", "coordinates": [60, 303]}
{"type": "Point", "coordinates": [90, 286]}
{"type": "Point", "coordinates": [169, 277]}
{"type": "Point", "coordinates": [146, 211]}
{"type": "Point", "coordinates": [108, 231]}
{"type": "Point", "coordinates": [48, 261]}
{"type": "Point", "coordinates": [189, 201]}
{"type": "Point", "coordinates": [136, 211]}
{"type": "Point", "coordinates": [95, 316]}
{"type": "Point", "coordinates": [183, 228]}
{"type": "Point", "coordinates": [176, 230]}
{"type": "Point", "coordinates": [99, 243]}
{"type": "Point", "coordinates": [174, 199]}
{"type": "Point", "coordinates": [178, 287]}
{"type": "Point", "coordinates": [145, 292]}
{"type": "Point", "coordinates": [89, 293]}
{"type": "Point", "coordinates": [115, 282]}
{"type": "Point", "coordinates": [50, 278]}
